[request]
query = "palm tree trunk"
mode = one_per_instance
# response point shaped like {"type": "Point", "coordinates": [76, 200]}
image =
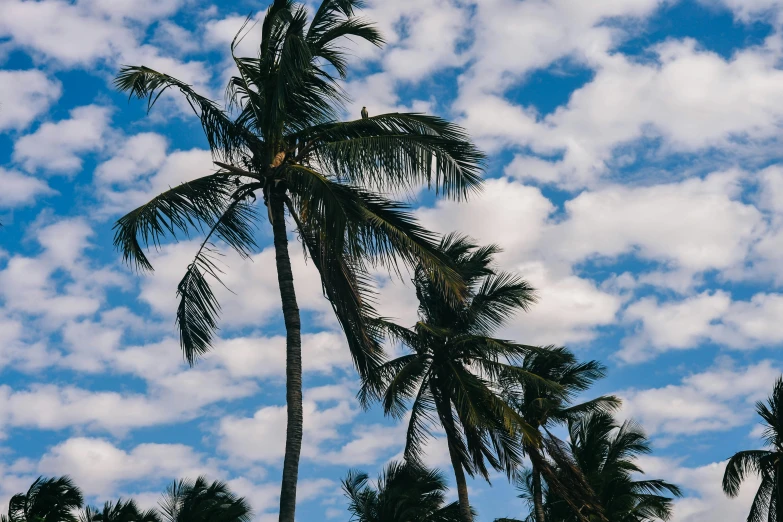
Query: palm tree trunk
{"type": "Point", "coordinates": [462, 484]}
{"type": "Point", "coordinates": [779, 488]}
{"type": "Point", "coordinates": [538, 496]}
{"type": "Point", "coordinates": [293, 367]}
{"type": "Point", "coordinates": [444, 411]}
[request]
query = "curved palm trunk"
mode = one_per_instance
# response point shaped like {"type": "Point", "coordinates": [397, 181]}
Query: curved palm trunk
{"type": "Point", "coordinates": [456, 463]}
{"type": "Point", "coordinates": [462, 484]}
{"type": "Point", "coordinates": [538, 496]}
{"type": "Point", "coordinates": [293, 367]}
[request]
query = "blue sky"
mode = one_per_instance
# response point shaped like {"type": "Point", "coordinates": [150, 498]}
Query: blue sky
{"type": "Point", "coordinates": [634, 179]}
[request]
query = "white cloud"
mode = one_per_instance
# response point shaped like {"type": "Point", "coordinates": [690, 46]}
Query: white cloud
{"type": "Point", "coordinates": [56, 148]}
{"type": "Point", "coordinates": [517, 218]}
{"type": "Point", "coordinates": [697, 224]}
{"type": "Point", "coordinates": [709, 316]}
{"type": "Point", "coordinates": [259, 357]}
{"type": "Point", "coordinates": [20, 190]}
{"type": "Point", "coordinates": [24, 96]}
{"type": "Point", "coordinates": [59, 284]}
{"type": "Point", "coordinates": [672, 325]}
{"type": "Point", "coordinates": [326, 409]}
{"type": "Point", "coordinates": [95, 30]}
{"type": "Point", "coordinates": [99, 467]}
{"type": "Point", "coordinates": [718, 399]}
{"type": "Point", "coordinates": [704, 500]}
{"type": "Point", "coordinates": [627, 100]}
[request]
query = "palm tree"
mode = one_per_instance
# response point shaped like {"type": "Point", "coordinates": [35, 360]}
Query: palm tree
{"type": "Point", "coordinates": [767, 463]}
{"type": "Point", "coordinates": [457, 374]}
{"type": "Point", "coordinates": [543, 406]}
{"type": "Point", "coordinates": [47, 500]}
{"type": "Point", "coordinates": [406, 492]}
{"type": "Point", "coordinates": [200, 501]}
{"type": "Point", "coordinates": [120, 511]}
{"type": "Point", "coordinates": [605, 452]}
{"type": "Point", "coordinates": [280, 135]}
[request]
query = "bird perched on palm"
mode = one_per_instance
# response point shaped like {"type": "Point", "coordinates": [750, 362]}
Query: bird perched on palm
{"type": "Point", "coordinates": [365, 114]}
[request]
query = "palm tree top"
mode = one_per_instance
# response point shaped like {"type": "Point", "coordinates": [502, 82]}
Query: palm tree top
{"type": "Point", "coordinates": [405, 492]}
{"type": "Point", "coordinates": [279, 135]}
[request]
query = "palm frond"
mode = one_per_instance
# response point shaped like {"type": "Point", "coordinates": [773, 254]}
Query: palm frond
{"type": "Point", "coordinates": [183, 208]}
{"type": "Point", "coordinates": [398, 151]}
{"type": "Point", "coordinates": [226, 139]}
{"type": "Point", "coordinates": [198, 307]}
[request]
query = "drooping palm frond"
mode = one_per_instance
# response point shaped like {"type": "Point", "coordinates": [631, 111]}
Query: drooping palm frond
{"type": "Point", "coordinates": [368, 226]}
{"type": "Point", "coordinates": [191, 205]}
{"type": "Point", "coordinates": [348, 287]}
{"type": "Point", "coordinates": [226, 139]}
{"type": "Point", "coordinates": [198, 307]}
{"type": "Point", "coordinates": [397, 151]}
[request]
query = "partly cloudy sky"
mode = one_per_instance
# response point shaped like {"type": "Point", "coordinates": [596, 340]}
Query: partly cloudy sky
{"type": "Point", "coordinates": [635, 179]}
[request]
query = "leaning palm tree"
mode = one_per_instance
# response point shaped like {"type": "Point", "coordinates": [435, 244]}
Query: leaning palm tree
{"type": "Point", "coordinates": [120, 511]}
{"type": "Point", "coordinates": [47, 500]}
{"type": "Point", "coordinates": [768, 463]}
{"type": "Point", "coordinates": [457, 374]}
{"type": "Point", "coordinates": [544, 407]}
{"type": "Point", "coordinates": [200, 501]}
{"type": "Point", "coordinates": [406, 492]}
{"type": "Point", "coordinates": [279, 136]}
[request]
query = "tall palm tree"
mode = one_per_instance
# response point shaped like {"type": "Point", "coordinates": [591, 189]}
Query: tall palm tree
{"type": "Point", "coordinates": [544, 406]}
{"type": "Point", "coordinates": [279, 135]}
{"type": "Point", "coordinates": [406, 492]}
{"type": "Point", "coordinates": [457, 374]}
{"type": "Point", "coordinates": [200, 501]}
{"type": "Point", "coordinates": [767, 463]}
{"type": "Point", "coordinates": [47, 500]}
{"type": "Point", "coordinates": [120, 511]}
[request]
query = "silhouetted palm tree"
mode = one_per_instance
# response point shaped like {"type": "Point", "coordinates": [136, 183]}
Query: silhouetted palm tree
{"type": "Point", "coordinates": [767, 464]}
{"type": "Point", "coordinates": [200, 501]}
{"type": "Point", "coordinates": [606, 454]}
{"type": "Point", "coordinates": [405, 492]}
{"type": "Point", "coordinates": [47, 500]}
{"type": "Point", "coordinates": [544, 406]}
{"type": "Point", "coordinates": [457, 374]}
{"type": "Point", "coordinates": [120, 511]}
{"type": "Point", "coordinates": [280, 136]}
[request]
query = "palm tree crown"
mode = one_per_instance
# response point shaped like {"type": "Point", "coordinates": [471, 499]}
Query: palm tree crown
{"type": "Point", "coordinates": [200, 501]}
{"type": "Point", "coordinates": [47, 500]}
{"type": "Point", "coordinates": [457, 374]}
{"type": "Point", "coordinates": [120, 511]}
{"type": "Point", "coordinates": [605, 452]}
{"type": "Point", "coordinates": [768, 463]}
{"type": "Point", "coordinates": [406, 492]}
